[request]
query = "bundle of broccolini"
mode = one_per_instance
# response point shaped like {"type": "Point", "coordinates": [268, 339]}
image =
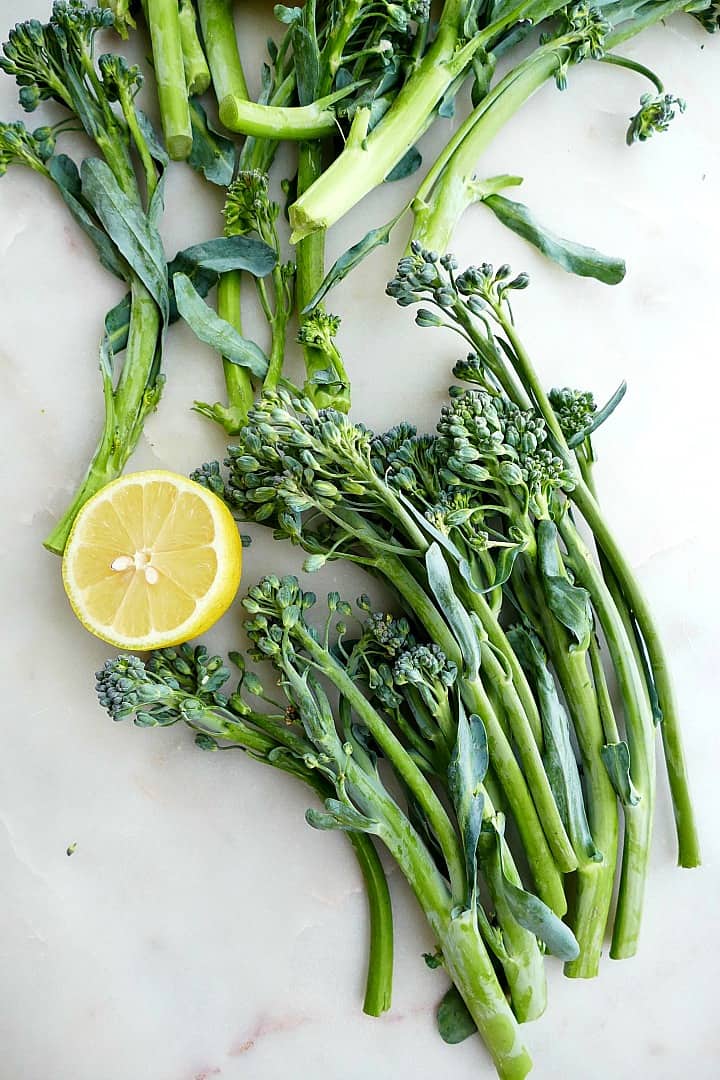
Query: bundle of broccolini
{"type": "Point", "coordinates": [489, 698]}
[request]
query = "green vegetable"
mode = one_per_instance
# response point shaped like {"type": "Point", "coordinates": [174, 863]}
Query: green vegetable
{"type": "Point", "coordinates": [164, 24]}
{"type": "Point", "coordinates": [56, 61]}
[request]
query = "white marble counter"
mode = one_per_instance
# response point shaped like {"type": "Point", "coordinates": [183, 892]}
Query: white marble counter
{"type": "Point", "coordinates": [201, 929]}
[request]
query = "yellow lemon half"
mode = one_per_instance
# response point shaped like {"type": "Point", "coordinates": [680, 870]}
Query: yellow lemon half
{"type": "Point", "coordinates": [152, 560]}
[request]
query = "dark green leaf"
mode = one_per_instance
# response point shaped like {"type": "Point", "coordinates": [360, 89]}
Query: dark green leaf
{"type": "Point", "coordinates": [352, 258]}
{"type": "Point", "coordinates": [575, 258]}
{"type": "Point", "coordinates": [570, 604]}
{"type": "Point", "coordinates": [457, 617]}
{"type": "Point", "coordinates": [156, 148]}
{"type": "Point", "coordinates": [212, 154]}
{"type": "Point", "coordinates": [526, 909]}
{"type": "Point", "coordinates": [67, 179]}
{"type": "Point", "coordinates": [130, 230]}
{"type": "Point", "coordinates": [406, 166]}
{"type": "Point", "coordinates": [466, 772]}
{"type": "Point", "coordinates": [339, 815]}
{"type": "Point", "coordinates": [226, 253]}
{"type": "Point", "coordinates": [558, 757]}
{"type": "Point", "coordinates": [454, 1022]}
{"type": "Point", "coordinates": [616, 758]}
{"type": "Point", "coordinates": [214, 331]}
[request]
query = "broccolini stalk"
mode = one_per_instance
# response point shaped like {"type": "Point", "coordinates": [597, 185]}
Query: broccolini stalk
{"type": "Point", "coordinates": [197, 72]}
{"type": "Point", "coordinates": [127, 403]}
{"type": "Point", "coordinates": [483, 296]}
{"type": "Point", "coordinates": [248, 209]}
{"type": "Point", "coordinates": [279, 631]}
{"type": "Point", "coordinates": [218, 32]}
{"type": "Point", "coordinates": [163, 20]}
{"type": "Point", "coordinates": [185, 685]}
{"type": "Point", "coordinates": [56, 61]}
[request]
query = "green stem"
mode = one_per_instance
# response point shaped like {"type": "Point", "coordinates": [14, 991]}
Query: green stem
{"type": "Point", "coordinates": [581, 496]}
{"type": "Point", "coordinates": [531, 761]}
{"type": "Point", "coordinates": [636, 66]}
{"type": "Point", "coordinates": [639, 726]}
{"type": "Point", "coordinates": [128, 110]}
{"type": "Point", "coordinates": [294, 122]}
{"type": "Point", "coordinates": [449, 187]}
{"type": "Point", "coordinates": [240, 394]}
{"type": "Point", "coordinates": [546, 875]}
{"type": "Point", "coordinates": [605, 706]}
{"type": "Point", "coordinates": [221, 48]}
{"type": "Point", "coordinates": [688, 844]}
{"type": "Point", "coordinates": [595, 879]}
{"type": "Point", "coordinates": [464, 955]}
{"type": "Point", "coordinates": [545, 872]}
{"type": "Point", "coordinates": [378, 988]}
{"type": "Point", "coordinates": [361, 167]}
{"type": "Point", "coordinates": [197, 72]}
{"type": "Point", "coordinates": [395, 753]}
{"type": "Point", "coordinates": [125, 410]}
{"type": "Point", "coordinates": [164, 25]}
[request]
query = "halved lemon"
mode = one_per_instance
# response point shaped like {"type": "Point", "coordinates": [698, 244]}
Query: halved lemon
{"type": "Point", "coordinates": [152, 560]}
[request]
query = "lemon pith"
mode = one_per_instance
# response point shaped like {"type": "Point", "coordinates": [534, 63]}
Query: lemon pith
{"type": "Point", "coordinates": [152, 560]}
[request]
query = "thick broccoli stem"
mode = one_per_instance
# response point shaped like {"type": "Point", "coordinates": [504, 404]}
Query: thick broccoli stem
{"type": "Point", "coordinates": [197, 72]}
{"type": "Point", "coordinates": [594, 879]}
{"type": "Point", "coordinates": [136, 394]}
{"type": "Point", "coordinates": [365, 163]}
{"type": "Point", "coordinates": [449, 188]}
{"type": "Point", "coordinates": [464, 955]}
{"type": "Point", "coordinates": [164, 25]}
{"type": "Point", "coordinates": [218, 31]}
{"type": "Point", "coordinates": [294, 122]}
{"type": "Point", "coordinates": [581, 496]}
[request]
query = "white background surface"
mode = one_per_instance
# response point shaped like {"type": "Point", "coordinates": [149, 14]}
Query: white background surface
{"type": "Point", "coordinates": [201, 929]}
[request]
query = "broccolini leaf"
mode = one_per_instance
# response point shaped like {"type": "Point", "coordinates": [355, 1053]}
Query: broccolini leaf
{"type": "Point", "coordinates": [570, 604]}
{"type": "Point", "coordinates": [406, 166]}
{"type": "Point", "coordinates": [455, 1024]}
{"type": "Point", "coordinates": [214, 331]}
{"type": "Point", "coordinates": [466, 772]}
{"type": "Point", "coordinates": [575, 258]}
{"type": "Point", "coordinates": [558, 757]}
{"type": "Point", "coordinates": [352, 258]}
{"type": "Point", "coordinates": [616, 759]}
{"type": "Point", "coordinates": [212, 154]}
{"type": "Point", "coordinates": [226, 253]}
{"type": "Point", "coordinates": [528, 910]}
{"type": "Point", "coordinates": [457, 617]}
{"type": "Point", "coordinates": [123, 220]}
{"type": "Point", "coordinates": [67, 180]}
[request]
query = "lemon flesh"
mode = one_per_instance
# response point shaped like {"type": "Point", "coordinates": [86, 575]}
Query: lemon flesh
{"type": "Point", "coordinates": [152, 560]}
